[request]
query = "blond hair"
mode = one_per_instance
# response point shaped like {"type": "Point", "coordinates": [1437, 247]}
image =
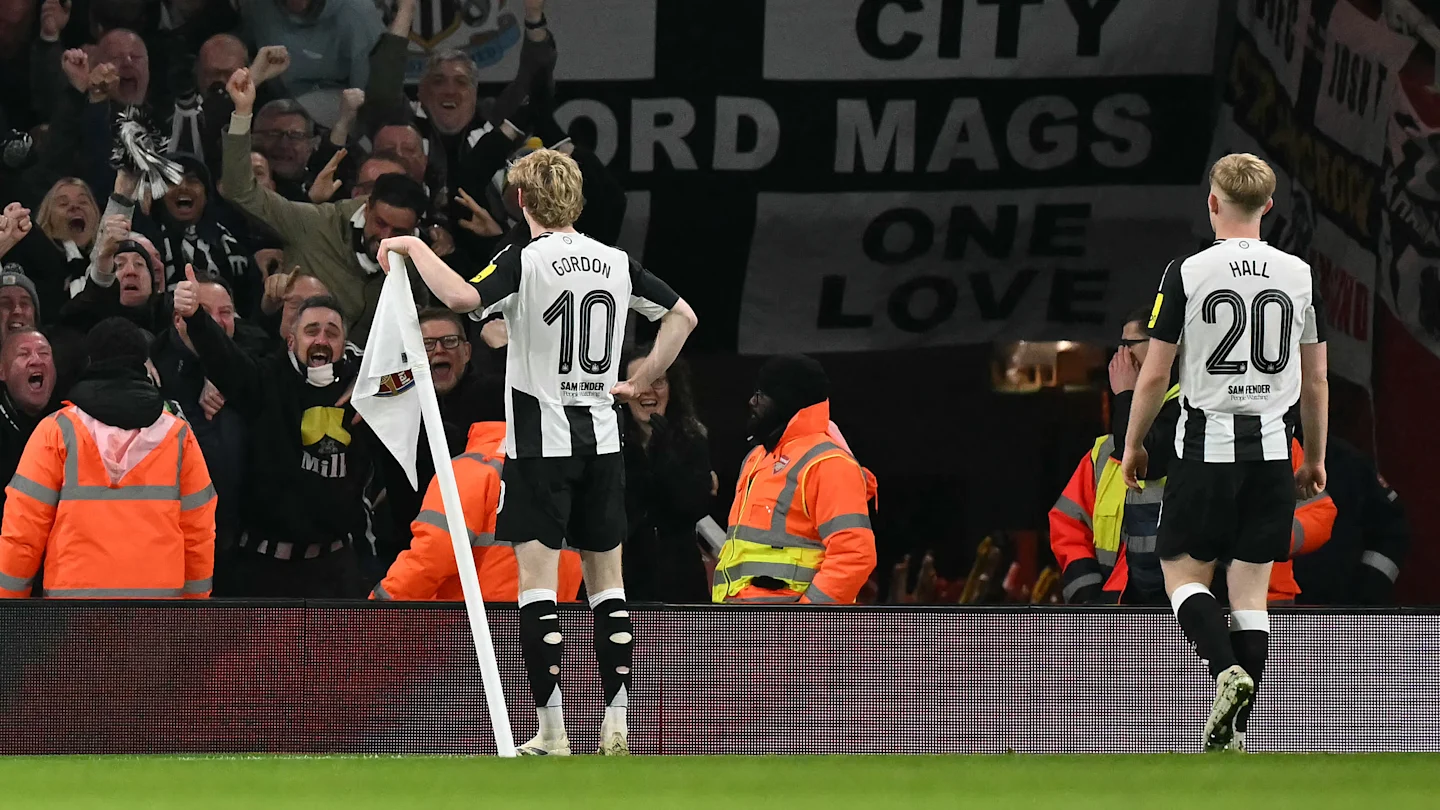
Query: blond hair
{"type": "Point", "coordinates": [1243, 180]}
{"type": "Point", "coordinates": [56, 230]}
{"type": "Point", "coordinates": [552, 186]}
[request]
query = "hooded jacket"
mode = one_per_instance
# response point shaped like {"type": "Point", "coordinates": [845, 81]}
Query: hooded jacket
{"type": "Point", "coordinates": [113, 458]}
{"type": "Point", "coordinates": [799, 524]}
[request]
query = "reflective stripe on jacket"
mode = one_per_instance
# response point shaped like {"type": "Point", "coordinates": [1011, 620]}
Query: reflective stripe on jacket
{"type": "Point", "coordinates": [1309, 530]}
{"type": "Point", "coordinates": [427, 571]}
{"type": "Point", "coordinates": [800, 523]}
{"type": "Point", "coordinates": [149, 535]}
{"type": "Point", "coordinates": [1075, 524]}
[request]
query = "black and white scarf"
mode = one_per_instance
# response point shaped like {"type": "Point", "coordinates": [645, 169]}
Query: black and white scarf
{"type": "Point", "coordinates": [207, 245]}
{"type": "Point", "coordinates": [187, 125]}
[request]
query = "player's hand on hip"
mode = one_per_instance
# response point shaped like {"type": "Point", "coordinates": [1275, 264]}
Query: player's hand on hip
{"type": "Point", "coordinates": [1134, 466]}
{"type": "Point", "coordinates": [1309, 481]}
{"type": "Point", "coordinates": [187, 294]}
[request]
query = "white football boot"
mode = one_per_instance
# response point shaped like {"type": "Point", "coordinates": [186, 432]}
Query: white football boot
{"type": "Point", "coordinates": [541, 747]}
{"type": "Point", "coordinates": [1234, 689]}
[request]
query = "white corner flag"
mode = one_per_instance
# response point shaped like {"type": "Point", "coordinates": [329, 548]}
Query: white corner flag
{"type": "Point", "coordinates": [394, 394]}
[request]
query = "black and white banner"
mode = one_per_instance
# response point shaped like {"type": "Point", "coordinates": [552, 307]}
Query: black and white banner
{"type": "Point", "coordinates": [823, 175]}
{"type": "Point", "coordinates": [1027, 170]}
{"type": "Point", "coordinates": [890, 270]}
{"type": "Point", "coordinates": [1410, 191]}
{"type": "Point", "coordinates": [872, 174]}
{"type": "Point", "coordinates": [1332, 96]}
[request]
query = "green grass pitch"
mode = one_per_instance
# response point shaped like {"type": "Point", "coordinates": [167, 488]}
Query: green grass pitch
{"type": "Point", "coordinates": [1167, 782]}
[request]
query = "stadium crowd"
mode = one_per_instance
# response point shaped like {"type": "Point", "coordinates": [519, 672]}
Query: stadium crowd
{"type": "Point", "coordinates": [299, 151]}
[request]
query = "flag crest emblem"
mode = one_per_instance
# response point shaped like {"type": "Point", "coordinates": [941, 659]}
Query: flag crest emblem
{"type": "Point", "coordinates": [392, 385]}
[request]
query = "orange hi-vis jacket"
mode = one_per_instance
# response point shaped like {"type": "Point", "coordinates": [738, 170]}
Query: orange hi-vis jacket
{"type": "Point", "coordinates": [427, 571]}
{"type": "Point", "coordinates": [1074, 518]}
{"type": "Point", "coordinates": [800, 522]}
{"type": "Point", "coordinates": [148, 535]}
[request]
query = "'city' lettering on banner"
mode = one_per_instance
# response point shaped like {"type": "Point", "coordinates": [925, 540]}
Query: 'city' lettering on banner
{"type": "Point", "coordinates": [922, 303]}
{"type": "Point", "coordinates": [884, 32]}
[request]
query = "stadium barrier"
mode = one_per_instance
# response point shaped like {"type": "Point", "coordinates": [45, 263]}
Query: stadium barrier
{"type": "Point", "coordinates": [312, 677]}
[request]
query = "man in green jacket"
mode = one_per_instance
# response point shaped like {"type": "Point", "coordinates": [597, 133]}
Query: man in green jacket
{"type": "Point", "coordinates": [335, 242]}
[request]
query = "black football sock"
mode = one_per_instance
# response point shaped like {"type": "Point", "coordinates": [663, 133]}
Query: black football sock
{"type": "Point", "coordinates": [1250, 636]}
{"type": "Point", "coordinates": [614, 648]}
{"type": "Point", "coordinates": [543, 648]}
{"type": "Point", "coordinates": [1204, 624]}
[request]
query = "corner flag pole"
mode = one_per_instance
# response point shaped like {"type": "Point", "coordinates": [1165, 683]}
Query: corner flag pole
{"type": "Point", "coordinates": [464, 560]}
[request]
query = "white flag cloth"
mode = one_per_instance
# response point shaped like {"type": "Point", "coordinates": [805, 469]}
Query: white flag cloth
{"type": "Point", "coordinates": [385, 392]}
{"type": "Point", "coordinates": [394, 394]}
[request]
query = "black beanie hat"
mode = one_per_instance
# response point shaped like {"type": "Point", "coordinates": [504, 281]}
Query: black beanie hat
{"type": "Point", "coordinates": [117, 341]}
{"type": "Point", "coordinates": [794, 381]}
{"type": "Point", "coordinates": [131, 246]}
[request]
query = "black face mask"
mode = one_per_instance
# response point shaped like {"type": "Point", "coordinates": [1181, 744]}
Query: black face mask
{"type": "Point", "coordinates": [790, 383]}
{"type": "Point", "coordinates": [767, 425]}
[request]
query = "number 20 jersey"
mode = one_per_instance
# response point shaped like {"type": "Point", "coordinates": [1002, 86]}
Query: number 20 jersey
{"type": "Point", "coordinates": [565, 298]}
{"type": "Point", "coordinates": [1239, 310]}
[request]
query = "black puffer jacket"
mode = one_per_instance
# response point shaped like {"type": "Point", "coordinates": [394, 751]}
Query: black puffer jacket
{"type": "Point", "coordinates": [224, 439]}
{"type": "Point", "coordinates": [15, 428]}
{"type": "Point", "coordinates": [667, 489]}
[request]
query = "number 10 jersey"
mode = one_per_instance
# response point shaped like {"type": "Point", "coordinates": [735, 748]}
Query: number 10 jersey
{"type": "Point", "coordinates": [565, 298]}
{"type": "Point", "coordinates": [1239, 310]}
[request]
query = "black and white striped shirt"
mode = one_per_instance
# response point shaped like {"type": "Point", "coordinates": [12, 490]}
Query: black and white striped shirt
{"type": "Point", "coordinates": [565, 298]}
{"type": "Point", "coordinates": [1239, 310]}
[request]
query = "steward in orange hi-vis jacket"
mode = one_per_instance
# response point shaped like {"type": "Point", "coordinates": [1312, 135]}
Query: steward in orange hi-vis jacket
{"type": "Point", "coordinates": [427, 571]}
{"type": "Point", "coordinates": [1093, 525]}
{"type": "Point", "coordinates": [800, 523]}
{"type": "Point", "coordinates": [111, 491]}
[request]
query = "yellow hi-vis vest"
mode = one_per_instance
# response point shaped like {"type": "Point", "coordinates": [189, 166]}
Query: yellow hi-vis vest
{"type": "Point", "coordinates": [772, 551]}
{"type": "Point", "coordinates": [1111, 496]}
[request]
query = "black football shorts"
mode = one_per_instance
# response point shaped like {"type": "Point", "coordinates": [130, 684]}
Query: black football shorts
{"type": "Point", "coordinates": [1241, 510]}
{"type": "Point", "coordinates": [577, 502]}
